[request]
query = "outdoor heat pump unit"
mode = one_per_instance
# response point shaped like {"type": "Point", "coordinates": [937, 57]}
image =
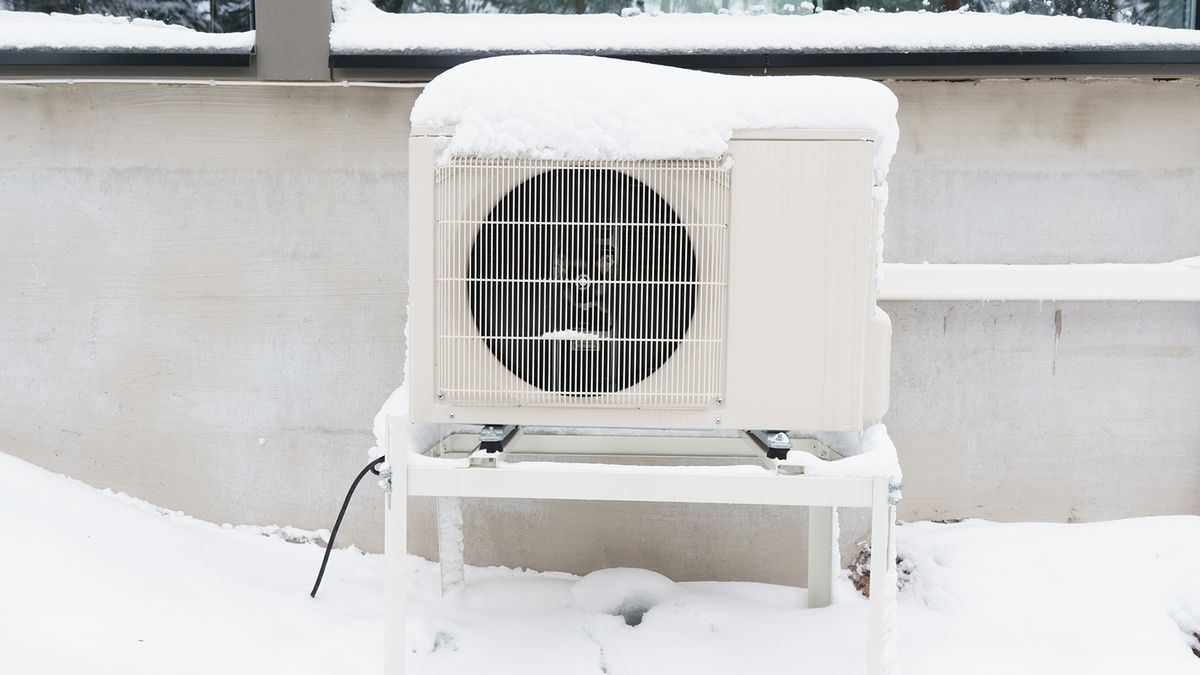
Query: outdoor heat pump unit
{"type": "Point", "coordinates": [728, 293]}
{"type": "Point", "coordinates": [601, 250]}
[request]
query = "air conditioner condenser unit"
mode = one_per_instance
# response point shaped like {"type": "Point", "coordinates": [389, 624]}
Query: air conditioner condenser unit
{"type": "Point", "coordinates": [599, 243]}
{"type": "Point", "coordinates": [729, 293]}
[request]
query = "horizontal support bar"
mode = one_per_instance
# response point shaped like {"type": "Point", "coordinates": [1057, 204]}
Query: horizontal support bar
{"type": "Point", "coordinates": [196, 59]}
{"type": "Point", "coordinates": [207, 82]}
{"type": "Point", "coordinates": [1165, 282]}
{"type": "Point", "coordinates": [768, 61]}
{"type": "Point", "coordinates": [639, 484]}
{"type": "Point", "coordinates": [635, 446]}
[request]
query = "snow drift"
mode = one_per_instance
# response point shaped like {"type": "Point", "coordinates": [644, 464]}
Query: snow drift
{"type": "Point", "coordinates": [103, 583]}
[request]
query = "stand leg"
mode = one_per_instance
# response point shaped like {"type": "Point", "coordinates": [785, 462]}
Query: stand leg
{"type": "Point", "coordinates": [396, 549]}
{"type": "Point", "coordinates": [450, 543]}
{"type": "Point", "coordinates": [821, 547]}
{"type": "Point", "coordinates": [881, 639]}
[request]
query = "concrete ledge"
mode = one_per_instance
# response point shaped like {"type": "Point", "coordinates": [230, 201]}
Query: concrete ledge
{"type": "Point", "coordinates": [1167, 282]}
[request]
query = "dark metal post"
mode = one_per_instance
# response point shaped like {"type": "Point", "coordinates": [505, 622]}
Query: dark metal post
{"type": "Point", "coordinates": [292, 39]}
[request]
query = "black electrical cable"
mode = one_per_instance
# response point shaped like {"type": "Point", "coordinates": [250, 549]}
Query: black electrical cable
{"type": "Point", "coordinates": [338, 523]}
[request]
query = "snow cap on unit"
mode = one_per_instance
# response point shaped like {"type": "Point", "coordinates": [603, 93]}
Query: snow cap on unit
{"type": "Point", "coordinates": [593, 108]}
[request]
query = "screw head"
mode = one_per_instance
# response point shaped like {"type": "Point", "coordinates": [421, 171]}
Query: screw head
{"type": "Point", "coordinates": [440, 396]}
{"type": "Point", "coordinates": [451, 415]}
{"type": "Point", "coordinates": [717, 421]}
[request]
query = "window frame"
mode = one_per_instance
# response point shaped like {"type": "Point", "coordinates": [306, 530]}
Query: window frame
{"type": "Point", "coordinates": [21, 58]}
{"type": "Point", "coordinates": [965, 63]}
{"type": "Point", "coordinates": [318, 63]}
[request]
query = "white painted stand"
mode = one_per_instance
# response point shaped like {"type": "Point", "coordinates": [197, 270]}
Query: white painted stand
{"type": "Point", "coordinates": [450, 481]}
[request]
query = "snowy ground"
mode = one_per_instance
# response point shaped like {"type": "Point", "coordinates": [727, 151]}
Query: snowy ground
{"type": "Point", "coordinates": [100, 583]}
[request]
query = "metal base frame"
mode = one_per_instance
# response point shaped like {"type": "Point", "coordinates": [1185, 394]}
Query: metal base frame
{"type": "Point", "coordinates": [785, 485]}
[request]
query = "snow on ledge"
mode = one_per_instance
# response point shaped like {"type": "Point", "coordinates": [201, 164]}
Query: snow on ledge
{"type": "Point", "coordinates": [594, 108]}
{"type": "Point", "coordinates": [874, 457]}
{"type": "Point", "coordinates": [361, 28]}
{"type": "Point", "coordinates": [96, 33]}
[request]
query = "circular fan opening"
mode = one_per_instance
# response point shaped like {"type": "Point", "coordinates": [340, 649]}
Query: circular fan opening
{"type": "Point", "coordinates": [582, 281]}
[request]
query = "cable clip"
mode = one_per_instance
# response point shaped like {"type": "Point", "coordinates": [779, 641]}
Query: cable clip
{"type": "Point", "coordinates": [385, 479]}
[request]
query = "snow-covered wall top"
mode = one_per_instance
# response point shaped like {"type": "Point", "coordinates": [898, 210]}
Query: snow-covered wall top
{"type": "Point", "coordinates": [92, 32]}
{"type": "Point", "coordinates": [360, 28]}
{"type": "Point", "coordinates": [590, 108]}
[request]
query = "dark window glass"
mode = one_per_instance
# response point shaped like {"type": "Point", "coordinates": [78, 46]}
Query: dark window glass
{"type": "Point", "coordinates": [217, 16]}
{"type": "Point", "coordinates": [505, 6]}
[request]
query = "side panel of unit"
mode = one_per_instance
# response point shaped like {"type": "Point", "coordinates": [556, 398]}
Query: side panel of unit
{"type": "Point", "coordinates": [800, 235]}
{"type": "Point", "coordinates": [422, 155]}
{"type": "Point", "coordinates": [877, 367]}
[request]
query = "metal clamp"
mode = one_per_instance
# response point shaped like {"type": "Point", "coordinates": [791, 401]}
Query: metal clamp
{"type": "Point", "coordinates": [776, 443]}
{"type": "Point", "coordinates": [494, 437]}
{"type": "Point", "coordinates": [493, 440]}
{"type": "Point", "coordinates": [385, 478]}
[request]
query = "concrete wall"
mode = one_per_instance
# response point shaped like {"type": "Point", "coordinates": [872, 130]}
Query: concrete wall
{"type": "Point", "coordinates": [203, 291]}
{"type": "Point", "coordinates": [1045, 171]}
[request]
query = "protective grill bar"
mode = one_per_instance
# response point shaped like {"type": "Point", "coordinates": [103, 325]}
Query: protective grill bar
{"type": "Point", "coordinates": [582, 284]}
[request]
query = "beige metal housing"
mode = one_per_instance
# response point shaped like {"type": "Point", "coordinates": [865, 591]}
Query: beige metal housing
{"type": "Point", "coordinates": [785, 335]}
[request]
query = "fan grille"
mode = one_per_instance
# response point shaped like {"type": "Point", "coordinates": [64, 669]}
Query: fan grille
{"type": "Point", "coordinates": [581, 284]}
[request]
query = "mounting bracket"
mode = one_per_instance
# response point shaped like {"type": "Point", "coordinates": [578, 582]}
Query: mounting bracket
{"type": "Point", "coordinates": [775, 443]}
{"type": "Point", "coordinates": [657, 468]}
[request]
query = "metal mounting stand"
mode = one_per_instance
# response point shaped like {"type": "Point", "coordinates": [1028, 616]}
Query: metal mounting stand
{"type": "Point", "coordinates": [659, 478]}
